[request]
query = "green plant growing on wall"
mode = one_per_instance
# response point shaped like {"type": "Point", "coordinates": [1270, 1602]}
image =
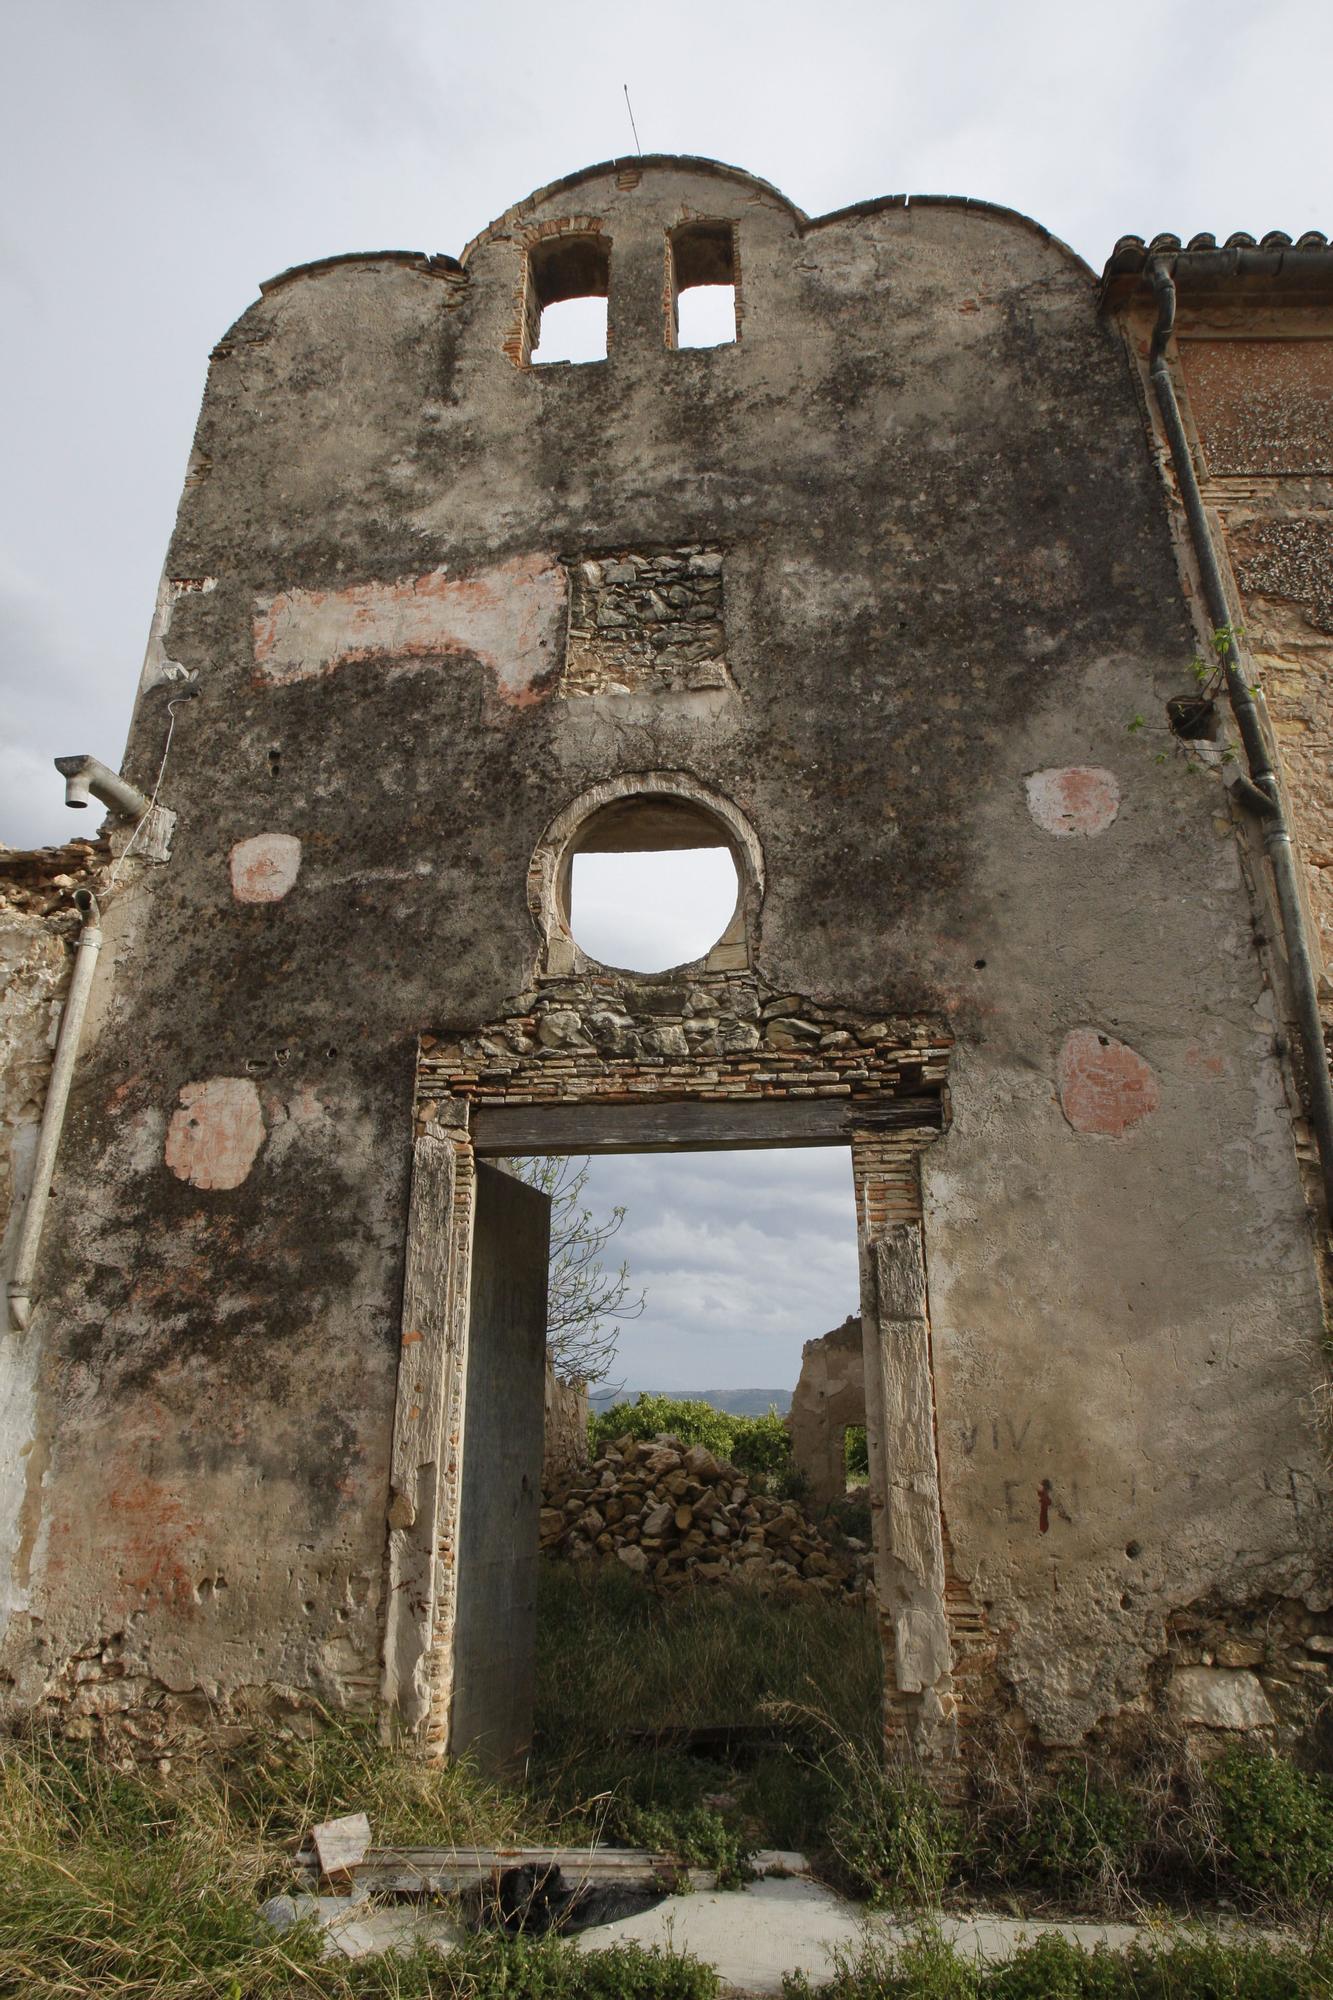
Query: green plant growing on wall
{"type": "Point", "coordinates": [1190, 714]}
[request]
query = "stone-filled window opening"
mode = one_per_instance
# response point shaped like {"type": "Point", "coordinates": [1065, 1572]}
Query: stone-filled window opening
{"type": "Point", "coordinates": [565, 300]}
{"type": "Point", "coordinates": [703, 285]}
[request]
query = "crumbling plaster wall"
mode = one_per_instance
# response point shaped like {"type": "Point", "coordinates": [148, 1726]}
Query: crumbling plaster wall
{"type": "Point", "coordinates": [946, 570]}
{"type": "Point", "coordinates": [565, 1432]}
{"type": "Point", "coordinates": [829, 1397]}
{"type": "Point", "coordinates": [38, 929]}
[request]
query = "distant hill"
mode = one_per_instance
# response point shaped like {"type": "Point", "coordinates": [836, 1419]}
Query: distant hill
{"type": "Point", "coordinates": [736, 1402]}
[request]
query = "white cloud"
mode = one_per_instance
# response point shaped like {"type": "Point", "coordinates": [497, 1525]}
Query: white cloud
{"type": "Point", "coordinates": [744, 1255]}
{"type": "Point", "coordinates": [649, 911]}
{"type": "Point", "coordinates": [160, 161]}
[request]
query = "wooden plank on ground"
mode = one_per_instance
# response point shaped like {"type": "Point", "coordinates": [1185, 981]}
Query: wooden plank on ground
{"type": "Point", "coordinates": [446, 1870]}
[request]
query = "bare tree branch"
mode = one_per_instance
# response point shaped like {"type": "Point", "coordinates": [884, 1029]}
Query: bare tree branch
{"type": "Point", "coordinates": [583, 1295]}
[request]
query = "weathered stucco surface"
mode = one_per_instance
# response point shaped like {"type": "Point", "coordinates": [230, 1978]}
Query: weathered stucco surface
{"type": "Point", "coordinates": [565, 1430]}
{"type": "Point", "coordinates": [949, 584]}
{"type": "Point", "coordinates": [38, 929]}
{"type": "Point", "coordinates": [830, 1396]}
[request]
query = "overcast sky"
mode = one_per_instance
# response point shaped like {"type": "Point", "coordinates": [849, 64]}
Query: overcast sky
{"type": "Point", "coordinates": [160, 157]}
{"type": "Point", "coordinates": [743, 1255]}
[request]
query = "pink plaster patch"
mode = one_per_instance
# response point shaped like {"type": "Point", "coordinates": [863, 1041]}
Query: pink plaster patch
{"type": "Point", "coordinates": [213, 1139]}
{"type": "Point", "coordinates": [1104, 1085]}
{"type": "Point", "coordinates": [509, 617]}
{"type": "Point", "coordinates": [1078, 799]}
{"type": "Point", "coordinates": [264, 867]}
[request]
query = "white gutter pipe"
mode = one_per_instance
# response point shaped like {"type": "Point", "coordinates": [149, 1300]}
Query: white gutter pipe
{"type": "Point", "coordinates": [87, 778]}
{"type": "Point", "coordinates": [53, 1117]}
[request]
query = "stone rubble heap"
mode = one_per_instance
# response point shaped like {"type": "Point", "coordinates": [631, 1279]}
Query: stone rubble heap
{"type": "Point", "coordinates": [677, 1515]}
{"type": "Point", "coordinates": [41, 881]}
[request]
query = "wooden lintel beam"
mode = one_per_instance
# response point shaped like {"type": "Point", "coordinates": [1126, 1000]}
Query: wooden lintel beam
{"type": "Point", "coordinates": [509, 1131]}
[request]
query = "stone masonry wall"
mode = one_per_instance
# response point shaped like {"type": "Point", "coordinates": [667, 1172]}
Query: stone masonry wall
{"type": "Point", "coordinates": [641, 620]}
{"type": "Point", "coordinates": [948, 585]}
{"type": "Point", "coordinates": [612, 1037]}
{"type": "Point", "coordinates": [829, 1397]}
{"type": "Point", "coordinates": [565, 1432]}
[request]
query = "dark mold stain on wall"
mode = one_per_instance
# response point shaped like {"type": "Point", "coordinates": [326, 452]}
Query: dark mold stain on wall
{"type": "Point", "coordinates": [946, 565]}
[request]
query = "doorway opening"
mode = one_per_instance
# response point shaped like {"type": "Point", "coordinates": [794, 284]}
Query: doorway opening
{"type": "Point", "coordinates": [704, 1639]}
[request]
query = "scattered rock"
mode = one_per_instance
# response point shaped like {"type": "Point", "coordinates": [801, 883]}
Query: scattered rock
{"type": "Point", "coordinates": [678, 1515]}
{"type": "Point", "coordinates": [341, 1843]}
{"type": "Point", "coordinates": [1236, 1652]}
{"type": "Point", "coordinates": [1219, 1698]}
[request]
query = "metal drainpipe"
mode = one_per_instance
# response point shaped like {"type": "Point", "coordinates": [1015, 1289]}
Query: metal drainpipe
{"type": "Point", "coordinates": [1277, 838]}
{"type": "Point", "coordinates": [53, 1117]}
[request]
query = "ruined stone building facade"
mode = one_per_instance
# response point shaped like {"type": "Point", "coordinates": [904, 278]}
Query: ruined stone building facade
{"type": "Point", "coordinates": [874, 597]}
{"type": "Point", "coordinates": [828, 1401]}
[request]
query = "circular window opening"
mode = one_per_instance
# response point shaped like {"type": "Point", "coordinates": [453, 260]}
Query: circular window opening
{"type": "Point", "coordinates": [652, 883]}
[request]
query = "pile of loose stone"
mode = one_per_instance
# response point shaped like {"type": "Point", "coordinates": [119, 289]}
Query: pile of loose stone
{"type": "Point", "coordinates": [677, 1515]}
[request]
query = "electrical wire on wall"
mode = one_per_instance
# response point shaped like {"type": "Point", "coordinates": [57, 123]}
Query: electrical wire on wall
{"type": "Point", "coordinates": [187, 694]}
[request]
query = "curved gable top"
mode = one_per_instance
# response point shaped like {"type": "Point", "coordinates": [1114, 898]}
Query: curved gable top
{"type": "Point", "coordinates": [441, 265]}
{"type": "Point", "coordinates": [640, 163]}
{"type": "Point", "coordinates": [971, 204]}
{"type": "Point", "coordinates": [699, 164]}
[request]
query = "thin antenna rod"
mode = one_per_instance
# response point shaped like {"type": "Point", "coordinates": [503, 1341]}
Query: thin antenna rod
{"type": "Point", "coordinates": [632, 126]}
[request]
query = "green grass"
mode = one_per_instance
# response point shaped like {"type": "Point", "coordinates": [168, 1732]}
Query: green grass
{"type": "Point", "coordinates": [143, 1886]}
{"type": "Point", "coordinates": [1158, 1828]}
{"type": "Point", "coordinates": [142, 1883]}
{"type": "Point", "coordinates": [615, 1656]}
{"type": "Point", "coordinates": [1249, 1828]}
{"type": "Point", "coordinates": [1276, 1823]}
{"type": "Point", "coordinates": [1170, 1967]}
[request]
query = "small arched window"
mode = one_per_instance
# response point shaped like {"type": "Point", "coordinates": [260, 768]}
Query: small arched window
{"type": "Point", "coordinates": [565, 299]}
{"type": "Point", "coordinates": [702, 276]}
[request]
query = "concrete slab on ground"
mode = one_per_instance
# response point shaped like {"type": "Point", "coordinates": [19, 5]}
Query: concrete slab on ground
{"type": "Point", "coordinates": [776, 1925]}
{"type": "Point", "coordinates": [784, 1922]}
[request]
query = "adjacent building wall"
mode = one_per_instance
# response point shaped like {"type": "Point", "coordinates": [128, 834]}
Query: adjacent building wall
{"type": "Point", "coordinates": [566, 1434]}
{"type": "Point", "coordinates": [944, 587]}
{"type": "Point", "coordinates": [829, 1397]}
{"type": "Point", "coordinates": [39, 927]}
